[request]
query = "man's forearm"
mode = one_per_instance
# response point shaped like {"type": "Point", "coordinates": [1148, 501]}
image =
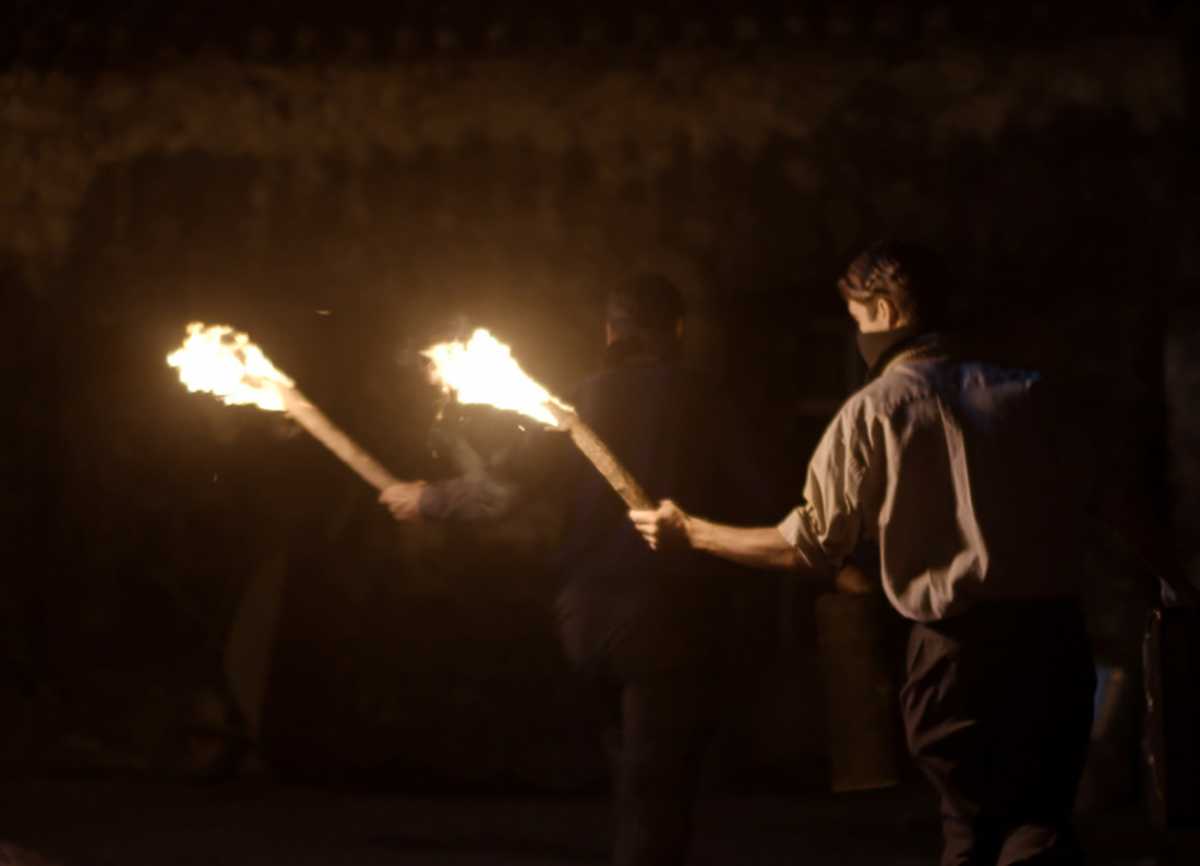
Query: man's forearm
{"type": "Point", "coordinates": [756, 547]}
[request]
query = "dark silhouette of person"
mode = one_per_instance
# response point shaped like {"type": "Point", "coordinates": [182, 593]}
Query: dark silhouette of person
{"type": "Point", "coordinates": [669, 633]}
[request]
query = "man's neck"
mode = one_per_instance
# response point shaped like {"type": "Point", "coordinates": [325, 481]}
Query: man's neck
{"type": "Point", "coordinates": [878, 347]}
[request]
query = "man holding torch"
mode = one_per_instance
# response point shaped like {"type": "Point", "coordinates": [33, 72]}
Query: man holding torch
{"type": "Point", "coordinates": [664, 630]}
{"type": "Point", "coordinates": [953, 468]}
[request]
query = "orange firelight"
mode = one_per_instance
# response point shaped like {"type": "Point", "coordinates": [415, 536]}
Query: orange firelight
{"type": "Point", "coordinates": [221, 361]}
{"type": "Point", "coordinates": [483, 371]}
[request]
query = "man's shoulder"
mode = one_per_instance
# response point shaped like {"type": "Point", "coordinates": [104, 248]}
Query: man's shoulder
{"type": "Point", "coordinates": [662, 377]}
{"type": "Point", "coordinates": [910, 382]}
{"type": "Point", "coordinates": [927, 376]}
{"type": "Point", "coordinates": [898, 385]}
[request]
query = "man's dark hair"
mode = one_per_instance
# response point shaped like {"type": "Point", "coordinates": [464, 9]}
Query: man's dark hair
{"type": "Point", "coordinates": [913, 276]}
{"type": "Point", "coordinates": [643, 311]}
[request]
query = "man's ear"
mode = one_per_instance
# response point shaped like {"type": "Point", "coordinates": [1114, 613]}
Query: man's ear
{"type": "Point", "coordinates": [887, 313]}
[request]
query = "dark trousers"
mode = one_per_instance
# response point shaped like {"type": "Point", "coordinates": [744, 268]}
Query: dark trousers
{"type": "Point", "coordinates": [667, 724]}
{"type": "Point", "coordinates": [997, 710]}
{"type": "Point", "coordinates": [657, 644]}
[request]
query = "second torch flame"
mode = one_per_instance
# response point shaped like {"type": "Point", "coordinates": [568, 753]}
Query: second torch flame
{"type": "Point", "coordinates": [483, 371]}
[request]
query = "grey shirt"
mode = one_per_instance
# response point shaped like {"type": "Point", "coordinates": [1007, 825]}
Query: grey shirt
{"type": "Point", "coordinates": [954, 470]}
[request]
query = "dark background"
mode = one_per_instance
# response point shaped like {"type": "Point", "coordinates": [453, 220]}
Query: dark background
{"type": "Point", "coordinates": [198, 590]}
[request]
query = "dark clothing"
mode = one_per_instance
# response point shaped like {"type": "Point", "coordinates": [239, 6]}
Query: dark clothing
{"type": "Point", "coordinates": [997, 710]}
{"type": "Point", "coordinates": [625, 607]}
{"type": "Point", "coordinates": [668, 629]}
{"type": "Point", "coordinates": [668, 632]}
{"type": "Point", "coordinates": [667, 724]}
{"type": "Point", "coordinates": [672, 432]}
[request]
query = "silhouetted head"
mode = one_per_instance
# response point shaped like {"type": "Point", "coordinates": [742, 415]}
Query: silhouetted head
{"type": "Point", "coordinates": [645, 315]}
{"type": "Point", "coordinates": [895, 284]}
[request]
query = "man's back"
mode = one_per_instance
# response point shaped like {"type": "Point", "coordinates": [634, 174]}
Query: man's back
{"type": "Point", "coordinates": [973, 494]}
{"type": "Point", "coordinates": [622, 601]}
{"type": "Point", "coordinates": [669, 427]}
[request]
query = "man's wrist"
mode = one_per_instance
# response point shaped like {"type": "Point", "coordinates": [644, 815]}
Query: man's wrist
{"type": "Point", "coordinates": [421, 489]}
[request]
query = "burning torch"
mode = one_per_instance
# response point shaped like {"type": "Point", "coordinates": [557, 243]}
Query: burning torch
{"type": "Point", "coordinates": [218, 360]}
{"type": "Point", "coordinates": [483, 371]}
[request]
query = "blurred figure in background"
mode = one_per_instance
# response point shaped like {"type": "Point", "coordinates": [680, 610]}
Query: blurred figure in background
{"type": "Point", "coordinates": [671, 634]}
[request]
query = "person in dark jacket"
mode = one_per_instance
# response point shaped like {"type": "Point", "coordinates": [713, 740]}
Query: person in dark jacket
{"type": "Point", "coordinates": [953, 468]}
{"type": "Point", "coordinates": [665, 631]}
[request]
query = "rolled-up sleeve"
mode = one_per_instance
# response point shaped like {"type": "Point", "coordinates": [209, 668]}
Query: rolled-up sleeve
{"type": "Point", "coordinates": [827, 526]}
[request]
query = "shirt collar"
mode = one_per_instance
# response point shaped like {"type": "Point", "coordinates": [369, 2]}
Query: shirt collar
{"type": "Point", "coordinates": [906, 344]}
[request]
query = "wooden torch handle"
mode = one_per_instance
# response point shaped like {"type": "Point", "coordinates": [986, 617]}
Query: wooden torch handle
{"type": "Point", "coordinates": [332, 437]}
{"type": "Point", "coordinates": [605, 461]}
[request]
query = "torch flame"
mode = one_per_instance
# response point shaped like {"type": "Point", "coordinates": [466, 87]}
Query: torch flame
{"type": "Point", "coordinates": [483, 371]}
{"type": "Point", "coordinates": [224, 362]}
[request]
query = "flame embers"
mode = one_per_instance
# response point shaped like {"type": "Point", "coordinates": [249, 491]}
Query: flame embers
{"type": "Point", "coordinates": [482, 370]}
{"type": "Point", "coordinates": [224, 362]}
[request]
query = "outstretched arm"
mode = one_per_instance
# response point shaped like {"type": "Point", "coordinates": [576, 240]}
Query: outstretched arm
{"type": "Point", "coordinates": [536, 465]}
{"type": "Point", "coordinates": [756, 547]}
{"type": "Point", "coordinates": [466, 499]}
{"type": "Point", "coordinates": [669, 526]}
